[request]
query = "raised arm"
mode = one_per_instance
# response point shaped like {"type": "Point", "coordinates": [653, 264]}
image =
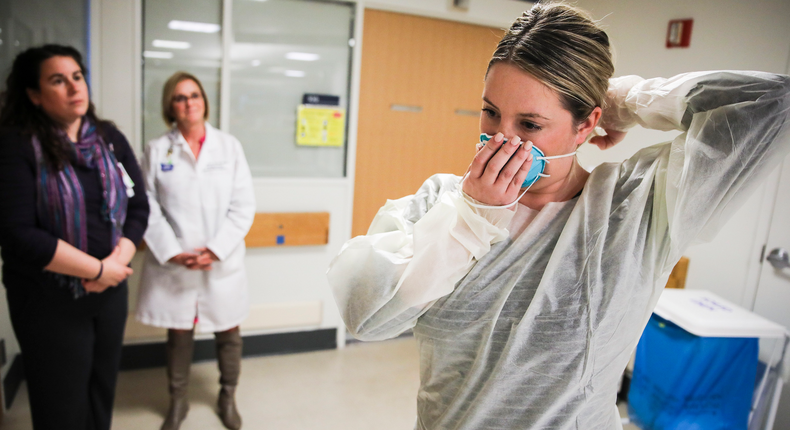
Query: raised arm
{"type": "Point", "coordinates": [736, 130]}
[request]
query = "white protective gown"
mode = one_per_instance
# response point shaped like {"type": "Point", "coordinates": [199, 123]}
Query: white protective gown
{"type": "Point", "coordinates": [208, 202]}
{"type": "Point", "coordinates": [533, 331]}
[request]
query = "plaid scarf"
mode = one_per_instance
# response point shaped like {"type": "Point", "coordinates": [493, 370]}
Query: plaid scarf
{"type": "Point", "coordinates": [60, 200]}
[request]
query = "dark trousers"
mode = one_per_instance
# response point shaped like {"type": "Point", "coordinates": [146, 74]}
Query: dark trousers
{"type": "Point", "coordinates": [71, 350]}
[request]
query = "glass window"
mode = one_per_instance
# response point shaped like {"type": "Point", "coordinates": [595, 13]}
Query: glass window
{"type": "Point", "coordinates": [28, 23]}
{"type": "Point", "coordinates": [281, 50]}
{"type": "Point", "coordinates": [180, 35]}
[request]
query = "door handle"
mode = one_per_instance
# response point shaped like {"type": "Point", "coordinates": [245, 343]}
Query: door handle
{"type": "Point", "coordinates": [779, 258]}
{"type": "Point", "coordinates": [406, 108]}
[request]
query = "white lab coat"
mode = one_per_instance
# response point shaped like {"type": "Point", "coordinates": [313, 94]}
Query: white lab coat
{"type": "Point", "coordinates": [208, 202]}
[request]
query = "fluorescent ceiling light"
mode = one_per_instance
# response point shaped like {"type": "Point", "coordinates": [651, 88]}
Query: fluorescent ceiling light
{"type": "Point", "coordinates": [170, 44]}
{"type": "Point", "coordinates": [198, 27]}
{"type": "Point", "coordinates": [157, 54]}
{"type": "Point", "coordinates": [294, 73]}
{"type": "Point", "coordinates": [302, 56]}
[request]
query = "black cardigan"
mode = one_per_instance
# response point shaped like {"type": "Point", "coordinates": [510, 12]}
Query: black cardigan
{"type": "Point", "coordinates": [25, 245]}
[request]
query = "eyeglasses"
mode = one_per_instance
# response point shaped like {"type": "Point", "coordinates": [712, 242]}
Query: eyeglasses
{"type": "Point", "coordinates": [182, 98]}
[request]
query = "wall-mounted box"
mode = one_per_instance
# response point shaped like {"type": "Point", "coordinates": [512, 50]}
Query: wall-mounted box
{"type": "Point", "coordinates": [679, 33]}
{"type": "Point", "coordinates": [289, 229]}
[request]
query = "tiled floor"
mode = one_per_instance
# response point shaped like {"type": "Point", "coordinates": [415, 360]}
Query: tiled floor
{"type": "Point", "coordinates": [365, 386]}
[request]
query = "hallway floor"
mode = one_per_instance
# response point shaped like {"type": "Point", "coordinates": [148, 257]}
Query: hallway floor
{"type": "Point", "coordinates": [362, 387]}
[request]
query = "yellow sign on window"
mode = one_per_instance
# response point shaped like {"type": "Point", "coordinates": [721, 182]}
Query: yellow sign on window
{"type": "Point", "coordinates": [320, 126]}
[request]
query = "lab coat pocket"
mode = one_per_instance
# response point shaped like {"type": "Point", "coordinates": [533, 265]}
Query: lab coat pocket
{"type": "Point", "coordinates": [160, 281]}
{"type": "Point", "coordinates": [177, 278]}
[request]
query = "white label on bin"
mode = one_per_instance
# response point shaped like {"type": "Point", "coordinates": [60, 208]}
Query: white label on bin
{"type": "Point", "coordinates": [711, 304]}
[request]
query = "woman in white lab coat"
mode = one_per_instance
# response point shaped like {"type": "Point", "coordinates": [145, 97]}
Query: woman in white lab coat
{"type": "Point", "coordinates": [202, 205]}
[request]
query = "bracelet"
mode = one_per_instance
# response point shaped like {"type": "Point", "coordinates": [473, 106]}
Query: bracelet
{"type": "Point", "coordinates": [101, 270]}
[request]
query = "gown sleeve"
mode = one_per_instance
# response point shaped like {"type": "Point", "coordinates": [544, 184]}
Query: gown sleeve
{"type": "Point", "coordinates": [735, 131]}
{"type": "Point", "coordinates": [417, 248]}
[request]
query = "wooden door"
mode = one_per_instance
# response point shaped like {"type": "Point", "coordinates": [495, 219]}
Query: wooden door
{"type": "Point", "coordinates": [420, 98]}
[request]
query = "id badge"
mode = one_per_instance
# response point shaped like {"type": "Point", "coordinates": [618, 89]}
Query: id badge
{"type": "Point", "coordinates": [168, 166]}
{"type": "Point", "coordinates": [127, 181]}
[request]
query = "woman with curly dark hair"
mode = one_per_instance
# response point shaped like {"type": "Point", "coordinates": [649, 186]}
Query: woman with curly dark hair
{"type": "Point", "coordinates": [72, 211]}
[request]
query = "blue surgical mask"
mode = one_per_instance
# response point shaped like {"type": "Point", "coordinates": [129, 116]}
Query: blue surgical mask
{"type": "Point", "coordinates": [539, 161]}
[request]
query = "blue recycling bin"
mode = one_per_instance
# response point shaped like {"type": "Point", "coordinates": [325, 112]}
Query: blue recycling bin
{"type": "Point", "coordinates": [682, 381]}
{"type": "Point", "coordinates": [697, 366]}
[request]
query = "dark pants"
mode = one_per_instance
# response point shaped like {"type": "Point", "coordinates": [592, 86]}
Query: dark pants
{"type": "Point", "coordinates": [71, 350]}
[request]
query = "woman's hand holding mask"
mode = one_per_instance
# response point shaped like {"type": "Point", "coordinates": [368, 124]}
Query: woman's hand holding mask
{"type": "Point", "coordinates": [499, 168]}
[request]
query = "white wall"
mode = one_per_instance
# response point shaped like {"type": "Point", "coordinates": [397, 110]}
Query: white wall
{"type": "Point", "coordinates": [115, 43]}
{"type": "Point", "coordinates": [727, 34]}
{"type": "Point", "coordinates": [493, 13]}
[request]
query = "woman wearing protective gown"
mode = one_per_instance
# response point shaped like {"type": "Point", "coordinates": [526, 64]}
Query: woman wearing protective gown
{"type": "Point", "coordinates": [529, 281]}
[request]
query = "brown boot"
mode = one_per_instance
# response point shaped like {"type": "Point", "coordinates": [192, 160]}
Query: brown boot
{"type": "Point", "coordinates": [229, 361]}
{"type": "Point", "coordinates": [180, 345]}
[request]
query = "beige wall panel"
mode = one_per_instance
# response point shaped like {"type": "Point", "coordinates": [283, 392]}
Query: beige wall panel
{"type": "Point", "coordinates": [432, 64]}
{"type": "Point", "coordinates": [306, 228]}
